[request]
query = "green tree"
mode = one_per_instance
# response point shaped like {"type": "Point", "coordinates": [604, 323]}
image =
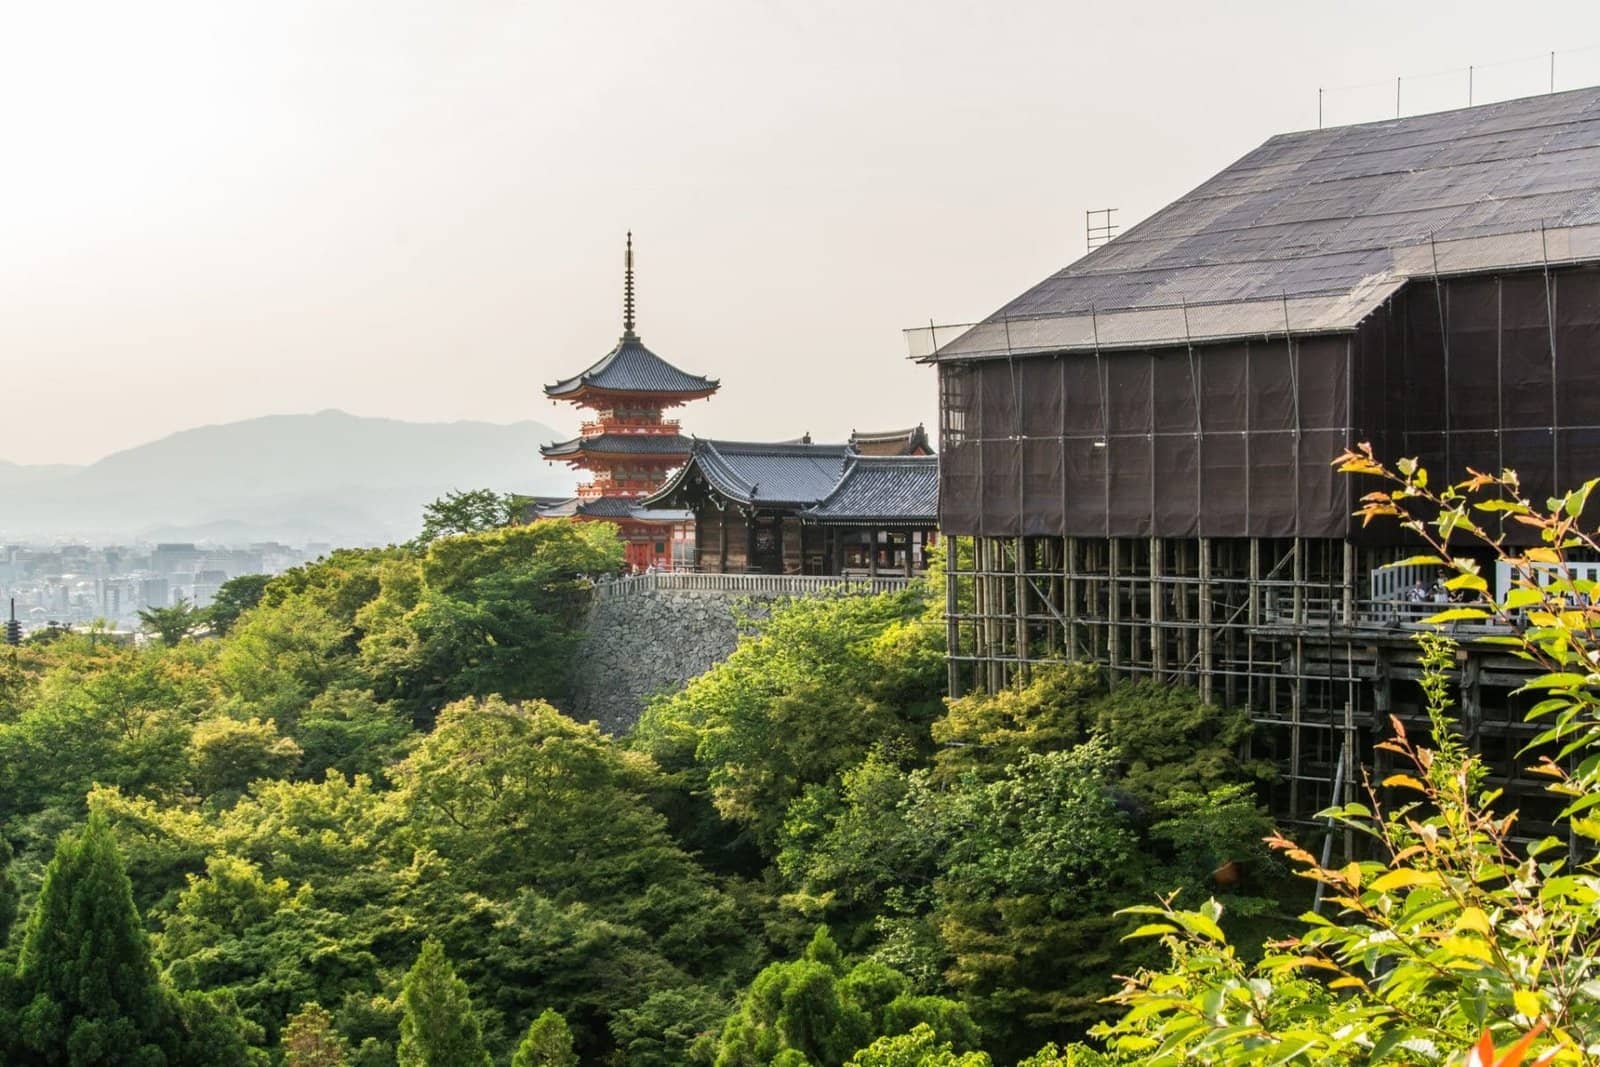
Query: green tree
{"type": "Point", "coordinates": [352, 732]}
{"type": "Point", "coordinates": [233, 598]}
{"type": "Point", "coordinates": [998, 879]}
{"type": "Point", "coordinates": [821, 683]}
{"type": "Point", "coordinates": [310, 1040]}
{"type": "Point", "coordinates": [666, 1027]}
{"type": "Point", "coordinates": [552, 818]}
{"type": "Point", "coordinates": [438, 1028]}
{"type": "Point", "coordinates": [87, 988]}
{"type": "Point", "coordinates": [9, 894]}
{"type": "Point", "coordinates": [172, 624]}
{"type": "Point", "coordinates": [548, 1043]}
{"type": "Point", "coordinates": [796, 1009]}
{"type": "Point", "coordinates": [225, 755]}
{"type": "Point", "coordinates": [816, 1010]}
{"type": "Point", "coordinates": [481, 614]}
{"type": "Point", "coordinates": [466, 512]}
{"type": "Point", "coordinates": [281, 656]}
{"type": "Point", "coordinates": [918, 1048]}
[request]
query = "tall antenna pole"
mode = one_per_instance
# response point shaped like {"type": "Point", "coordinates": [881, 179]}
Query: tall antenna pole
{"type": "Point", "coordinates": [1552, 72]}
{"type": "Point", "coordinates": [1469, 86]}
{"type": "Point", "coordinates": [1397, 98]}
{"type": "Point", "coordinates": [627, 289]}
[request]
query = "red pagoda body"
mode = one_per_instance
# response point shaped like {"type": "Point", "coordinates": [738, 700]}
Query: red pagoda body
{"type": "Point", "coordinates": [627, 445]}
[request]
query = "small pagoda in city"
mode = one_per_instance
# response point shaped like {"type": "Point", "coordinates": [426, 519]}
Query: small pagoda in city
{"type": "Point", "coordinates": [627, 446]}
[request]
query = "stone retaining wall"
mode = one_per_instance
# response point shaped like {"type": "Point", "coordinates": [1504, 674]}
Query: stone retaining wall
{"type": "Point", "coordinates": [652, 642]}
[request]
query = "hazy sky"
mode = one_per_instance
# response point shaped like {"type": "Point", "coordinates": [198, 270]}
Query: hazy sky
{"type": "Point", "coordinates": [221, 209]}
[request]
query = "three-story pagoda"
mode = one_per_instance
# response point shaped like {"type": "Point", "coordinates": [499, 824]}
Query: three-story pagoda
{"type": "Point", "coordinates": [627, 445]}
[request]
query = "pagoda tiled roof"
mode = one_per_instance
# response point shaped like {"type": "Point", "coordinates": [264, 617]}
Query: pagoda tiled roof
{"type": "Point", "coordinates": [630, 367]}
{"type": "Point", "coordinates": [628, 444]}
{"type": "Point", "coordinates": [605, 507]}
{"type": "Point", "coordinates": [882, 490]}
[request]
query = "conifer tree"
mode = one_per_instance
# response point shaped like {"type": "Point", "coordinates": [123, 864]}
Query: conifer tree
{"type": "Point", "coordinates": [438, 1028]}
{"type": "Point", "coordinates": [548, 1043]}
{"type": "Point", "coordinates": [88, 991]}
{"type": "Point", "coordinates": [309, 1039]}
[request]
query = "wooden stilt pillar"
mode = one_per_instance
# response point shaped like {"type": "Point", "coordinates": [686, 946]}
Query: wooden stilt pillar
{"type": "Point", "coordinates": [952, 625]}
{"type": "Point", "coordinates": [1114, 609]}
{"type": "Point", "coordinates": [1019, 599]}
{"type": "Point", "coordinates": [1158, 613]}
{"type": "Point", "coordinates": [1208, 637]}
{"type": "Point", "coordinates": [1074, 609]}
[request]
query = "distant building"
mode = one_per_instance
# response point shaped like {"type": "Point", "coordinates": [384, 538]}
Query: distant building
{"type": "Point", "coordinates": [155, 593]}
{"type": "Point", "coordinates": [204, 586]}
{"type": "Point", "coordinates": [627, 446]}
{"type": "Point", "coordinates": [174, 558]}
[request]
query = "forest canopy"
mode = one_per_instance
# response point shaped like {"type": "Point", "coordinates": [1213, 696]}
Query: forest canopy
{"type": "Point", "coordinates": [353, 825]}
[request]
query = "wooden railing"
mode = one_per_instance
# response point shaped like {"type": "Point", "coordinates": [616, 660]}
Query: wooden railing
{"type": "Point", "coordinates": [769, 584]}
{"type": "Point", "coordinates": [639, 425]}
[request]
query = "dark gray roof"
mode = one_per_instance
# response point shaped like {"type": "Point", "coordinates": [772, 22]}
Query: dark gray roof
{"type": "Point", "coordinates": [1321, 227]}
{"type": "Point", "coordinates": [759, 474]}
{"type": "Point", "coordinates": [636, 444]}
{"type": "Point", "coordinates": [632, 368]}
{"type": "Point", "coordinates": [604, 507]}
{"type": "Point", "coordinates": [886, 490]}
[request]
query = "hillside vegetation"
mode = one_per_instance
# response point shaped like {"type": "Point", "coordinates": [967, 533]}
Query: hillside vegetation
{"type": "Point", "coordinates": [368, 774]}
{"type": "Point", "coordinates": [356, 828]}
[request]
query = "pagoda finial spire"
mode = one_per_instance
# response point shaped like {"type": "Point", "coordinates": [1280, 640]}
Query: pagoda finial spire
{"type": "Point", "coordinates": [627, 290]}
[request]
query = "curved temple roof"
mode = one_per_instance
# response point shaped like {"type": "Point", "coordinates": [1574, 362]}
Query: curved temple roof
{"type": "Point", "coordinates": [632, 368]}
{"type": "Point", "coordinates": [883, 491]}
{"type": "Point", "coordinates": [827, 483]}
{"type": "Point", "coordinates": [607, 507]}
{"type": "Point", "coordinates": [909, 442]}
{"type": "Point", "coordinates": [1313, 231]}
{"type": "Point", "coordinates": [620, 444]}
{"type": "Point", "coordinates": [756, 474]}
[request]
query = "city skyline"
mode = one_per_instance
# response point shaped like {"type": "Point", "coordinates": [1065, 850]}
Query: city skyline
{"type": "Point", "coordinates": [417, 212]}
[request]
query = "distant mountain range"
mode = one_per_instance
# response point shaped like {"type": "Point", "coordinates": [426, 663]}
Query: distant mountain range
{"type": "Point", "coordinates": [331, 477]}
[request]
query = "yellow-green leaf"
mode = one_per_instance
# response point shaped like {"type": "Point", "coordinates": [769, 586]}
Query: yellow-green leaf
{"type": "Point", "coordinates": [1455, 615]}
{"type": "Point", "coordinates": [1152, 930]}
{"type": "Point", "coordinates": [1405, 878]}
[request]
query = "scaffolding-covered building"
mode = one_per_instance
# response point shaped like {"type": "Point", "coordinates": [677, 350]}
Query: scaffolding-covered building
{"type": "Point", "coordinates": [1136, 451]}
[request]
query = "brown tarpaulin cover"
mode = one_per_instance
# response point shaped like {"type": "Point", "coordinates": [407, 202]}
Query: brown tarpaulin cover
{"type": "Point", "coordinates": [1236, 439]}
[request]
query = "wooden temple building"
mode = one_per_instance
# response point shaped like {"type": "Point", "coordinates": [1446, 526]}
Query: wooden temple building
{"type": "Point", "coordinates": [627, 445]}
{"type": "Point", "coordinates": [1136, 451]}
{"type": "Point", "coordinates": [797, 507]}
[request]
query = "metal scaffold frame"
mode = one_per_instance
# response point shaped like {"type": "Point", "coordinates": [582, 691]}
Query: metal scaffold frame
{"type": "Point", "coordinates": [1283, 627]}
